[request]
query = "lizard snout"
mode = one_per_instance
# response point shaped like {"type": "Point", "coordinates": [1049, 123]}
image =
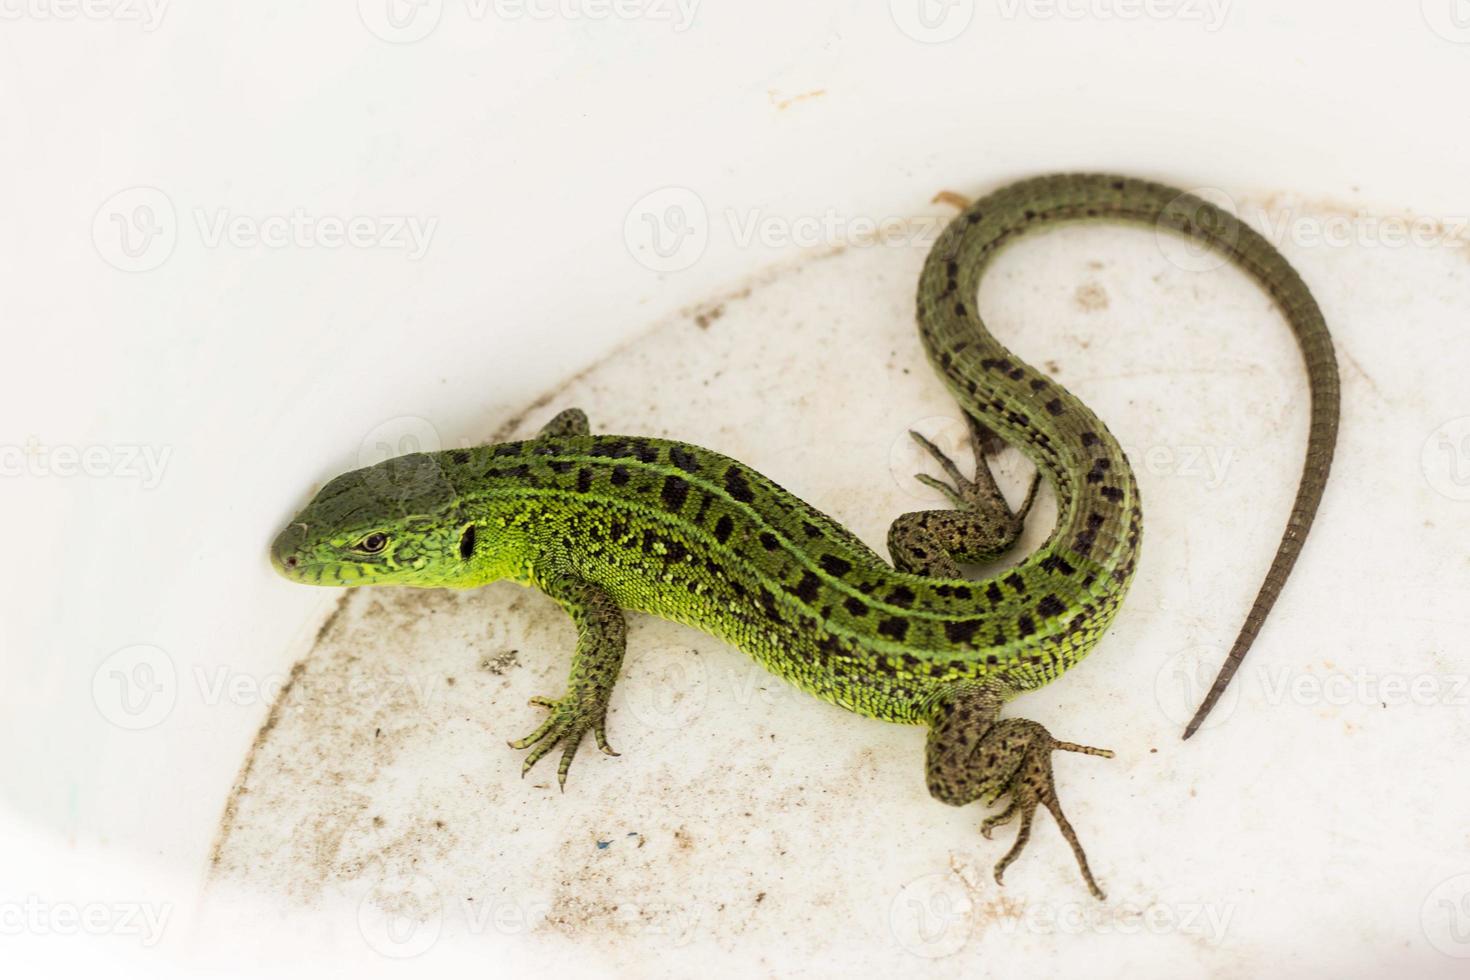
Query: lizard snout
{"type": "Point", "coordinates": [286, 549]}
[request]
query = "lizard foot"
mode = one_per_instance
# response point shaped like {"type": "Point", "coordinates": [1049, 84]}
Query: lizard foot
{"type": "Point", "coordinates": [571, 717]}
{"type": "Point", "coordinates": [973, 754]}
{"type": "Point", "coordinates": [966, 494]}
{"type": "Point", "coordinates": [1031, 785]}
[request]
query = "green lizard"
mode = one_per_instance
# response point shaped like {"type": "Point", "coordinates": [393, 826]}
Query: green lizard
{"type": "Point", "coordinates": [605, 523]}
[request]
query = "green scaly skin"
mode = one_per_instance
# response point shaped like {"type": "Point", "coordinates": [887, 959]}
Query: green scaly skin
{"type": "Point", "coordinates": [607, 523]}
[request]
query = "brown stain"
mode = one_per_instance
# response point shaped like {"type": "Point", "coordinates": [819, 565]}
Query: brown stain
{"type": "Point", "coordinates": [783, 104]}
{"type": "Point", "coordinates": [706, 313]}
{"type": "Point", "coordinates": [1091, 297]}
{"type": "Point", "coordinates": [703, 318]}
{"type": "Point", "coordinates": [272, 718]}
{"type": "Point", "coordinates": [1358, 369]}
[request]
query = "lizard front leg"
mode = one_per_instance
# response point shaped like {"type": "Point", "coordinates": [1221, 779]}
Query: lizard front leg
{"type": "Point", "coordinates": [973, 753]}
{"type": "Point", "coordinates": [602, 636]}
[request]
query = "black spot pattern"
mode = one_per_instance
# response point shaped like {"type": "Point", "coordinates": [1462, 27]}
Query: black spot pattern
{"type": "Point", "coordinates": [675, 491]}
{"type": "Point", "coordinates": [894, 628]}
{"type": "Point", "coordinates": [808, 588]}
{"type": "Point", "coordinates": [684, 459]}
{"type": "Point", "coordinates": [961, 630]}
{"type": "Point", "coordinates": [834, 566]}
{"type": "Point", "coordinates": [1050, 606]}
{"type": "Point", "coordinates": [736, 486]}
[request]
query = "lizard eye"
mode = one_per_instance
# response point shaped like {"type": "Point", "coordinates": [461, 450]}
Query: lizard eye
{"type": "Point", "coordinates": [372, 544]}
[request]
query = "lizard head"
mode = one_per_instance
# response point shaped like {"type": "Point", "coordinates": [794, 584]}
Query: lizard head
{"type": "Point", "coordinates": [394, 523]}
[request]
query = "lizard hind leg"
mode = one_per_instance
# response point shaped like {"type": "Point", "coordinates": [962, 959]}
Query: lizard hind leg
{"type": "Point", "coordinates": [973, 753]}
{"type": "Point", "coordinates": [981, 526]}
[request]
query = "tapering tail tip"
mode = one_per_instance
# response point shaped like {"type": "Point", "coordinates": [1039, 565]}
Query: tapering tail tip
{"type": "Point", "coordinates": [1198, 719]}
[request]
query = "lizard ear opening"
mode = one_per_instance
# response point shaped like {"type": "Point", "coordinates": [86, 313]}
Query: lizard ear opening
{"type": "Point", "coordinates": [467, 542]}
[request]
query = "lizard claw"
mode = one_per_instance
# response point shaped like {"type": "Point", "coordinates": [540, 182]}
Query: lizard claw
{"type": "Point", "coordinates": [571, 718]}
{"type": "Point", "coordinates": [1032, 787]}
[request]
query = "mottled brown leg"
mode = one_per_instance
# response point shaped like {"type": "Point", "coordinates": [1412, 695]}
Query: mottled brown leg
{"type": "Point", "coordinates": [568, 422]}
{"type": "Point", "coordinates": [601, 639]}
{"type": "Point", "coordinates": [981, 527]}
{"type": "Point", "coordinates": [973, 754]}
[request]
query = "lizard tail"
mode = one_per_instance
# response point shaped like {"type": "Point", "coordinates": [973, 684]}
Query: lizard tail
{"type": "Point", "coordinates": [1196, 218]}
{"type": "Point", "coordinates": [956, 337]}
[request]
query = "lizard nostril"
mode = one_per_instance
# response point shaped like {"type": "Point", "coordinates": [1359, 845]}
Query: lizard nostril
{"type": "Point", "coordinates": [291, 562]}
